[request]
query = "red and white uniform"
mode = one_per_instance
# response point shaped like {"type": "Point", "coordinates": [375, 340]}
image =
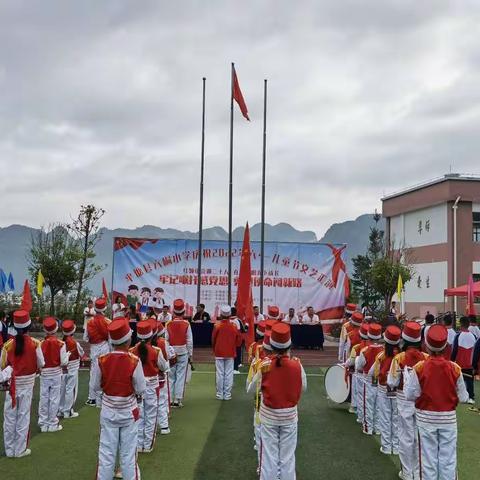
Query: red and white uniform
{"type": "Point", "coordinates": [363, 365]}
{"type": "Point", "coordinates": [225, 338]}
{"type": "Point", "coordinates": [346, 327]}
{"type": "Point", "coordinates": [56, 357]}
{"type": "Point", "coordinates": [179, 336]}
{"type": "Point", "coordinates": [436, 386]}
{"type": "Point", "coordinates": [164, 399]}
{"type": "Point", "coordinates": [450, 339]}
{"type": "Point", "coordinates": [18, 402]}
{"type": "Point", "coordinates": [96, 335]}
{"type": "Point", "coordinates": [70, 375]}
{"type": "Point", "coordinates": [120, 379]}
{"type": "Point", "coordinates": [147, 424]}
{"type": "Point", "coordinates": [407, 441]}
{"type": "Point", "coordinates": [281, 380]}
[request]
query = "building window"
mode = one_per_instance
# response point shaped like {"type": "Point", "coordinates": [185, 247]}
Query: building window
{"type": "Point", "coordinates": [476, 227]}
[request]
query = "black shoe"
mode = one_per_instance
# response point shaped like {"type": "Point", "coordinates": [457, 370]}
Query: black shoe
{"type": "Point", "coordinates": [91, 403]}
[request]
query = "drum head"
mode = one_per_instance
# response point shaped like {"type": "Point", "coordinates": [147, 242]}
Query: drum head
{"type": "Point", "coordinates": [336, 385]}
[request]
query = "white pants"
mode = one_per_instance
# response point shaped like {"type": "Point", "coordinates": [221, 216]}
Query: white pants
{"type": "Point", "coordinates": [407, 439]}
{"type": "Point", "coordinates": [147, 423]}
{"type": "Point", "coordinates": [388, 418]}
{"type": "Point", "coordinates": [50, 388]}
{"type": "Point", "coordinates": [122, 438]}
{"type": "Point", "coordinates": [438, 453]}
{"type": "Point", "coordinates": [361, 406]}
{"type": "Point", "coordinates": [353, 390]}
{"type": "Point", "coordinates": [69, 392]}
{"type": "Point", "coordinates": [370, 407]}
{"type": "Point", "coordinates": [16, 421]}
{"type": "Point", "coordinates": [224, 377]}
{"type": "Point", "coordinates": [257, 432]}
{"type": "Point", "coordinates": [278, 452]}
{"type": "Point", "coordinates": [95, 352]}
{"type": "Point", "coordinates": [177, 378]}
{"type": "Point", "coordinates": [163, 406]}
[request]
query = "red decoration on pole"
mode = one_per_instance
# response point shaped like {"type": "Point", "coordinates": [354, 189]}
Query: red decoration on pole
{"type": "Point", "coordinates": [26, 298]}
{"type": "Point", "coordinates": [238, 96]}
{"type": "Point", "coordinates": [104, 290]}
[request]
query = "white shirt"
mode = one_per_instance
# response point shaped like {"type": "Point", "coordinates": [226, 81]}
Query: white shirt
{"type": "Point", "coordinates": [291, 320]}
{"type": "Point", "coordinates": [310, 321]}
{"type": "Point", "coordinates": [164, 318]}
{"type": "Point", "coordinates": [88, 314]}
{"type": "Point", "coordinates": [259, 318]}
{"type": "Point", "coordinates": [475, 330]}
{"type": "Point", "coordinates": [118, 310]}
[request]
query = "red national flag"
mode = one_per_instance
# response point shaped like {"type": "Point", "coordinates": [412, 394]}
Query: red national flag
{"type": "Point", "coordinates": [26, 298]}
{"type": "Point", "coordinates": [104, 289]}
{"type": "Point", "coordinates": [244, 291]}
{"type": "Point", "coordinates": [470, 297]}
{"type": "Point", "coordinates": [237, 95]}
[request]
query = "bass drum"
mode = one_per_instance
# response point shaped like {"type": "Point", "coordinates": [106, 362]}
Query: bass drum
{"type": "Point", "coordinates": [337, 384]}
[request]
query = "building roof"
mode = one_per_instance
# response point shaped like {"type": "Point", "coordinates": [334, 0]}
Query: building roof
{"type": "Point", "coordinates": [466, 177]}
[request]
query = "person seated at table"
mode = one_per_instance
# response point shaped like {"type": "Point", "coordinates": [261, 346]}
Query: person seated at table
{"type": "Point", "coordinates": [201, 315]}
{"type": "Point", "coordinates": [291, 318]}
{"type": "Point", "coordinates": [258, 317]}
{"type": "Point", "coordinates": [311, 318]}
{"type": "Point", "coordinates": [151, 314]}
{"type": "Point", "coordinates": [165, 316]}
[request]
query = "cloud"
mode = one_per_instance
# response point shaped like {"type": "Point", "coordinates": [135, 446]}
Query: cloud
{"type": "Point", "coordinates": [102, 103]}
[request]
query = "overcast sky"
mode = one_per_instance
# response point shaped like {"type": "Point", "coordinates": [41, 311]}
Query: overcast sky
{"type": "Point", "coordinates": [100, 102]}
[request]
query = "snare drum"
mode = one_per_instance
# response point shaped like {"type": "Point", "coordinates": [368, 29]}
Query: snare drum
{"type": "Point", "coordinates": [337, 384]}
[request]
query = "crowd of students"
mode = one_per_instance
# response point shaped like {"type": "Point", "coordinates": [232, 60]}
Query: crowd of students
{"type": "Point", "coordinates": [406, 384]}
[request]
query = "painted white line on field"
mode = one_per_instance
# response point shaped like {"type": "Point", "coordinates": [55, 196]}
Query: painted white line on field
{"type": "Point", "coordinates": [244, 373]}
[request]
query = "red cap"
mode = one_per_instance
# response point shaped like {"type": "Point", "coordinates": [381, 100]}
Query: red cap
{"type": "Point", "coordinates": [144, 330]}
{"type": "Point", "coordinates": [364, 330]}
{"type": "Point", "coordinates": [160, 328]}
{"type": "Point", "coordinates": [50, 325]}
{"type": "Point", "coordinates": [356, 319]}
{"type": "Point", "coordinates": [412, 332]}
{"type": "Point", "coordinates": [21, 319]}
{"type": "Point", "coordinates": [269, 325]}
{"type": "Point", "coordinates": [68, 327]}
{"type": "Point", "coordinates": [154, 325]}
{"type": "Point", "coordinates": [437, 336]}
{"type": "Point", "coordinates": [280, 337]}
{"type": "Point", "coordinates": [392, 335]}
{"type": "Point", "coordinates": [273, 311]}
{"type": "Point", "coordinates": [119, 331]}
{"type": "Point", "coordinates": [178, 306]}
{"type": "Point", "coordinates": [375, 331]}
{"type": "Point", "coordinates": [261, 328]}
{"type": "Point", "coordinates": [266, 340]}
{"type": "Point", "coordinates": [350, 307]}
{"type": "Point", "coordinates": [100, 305]}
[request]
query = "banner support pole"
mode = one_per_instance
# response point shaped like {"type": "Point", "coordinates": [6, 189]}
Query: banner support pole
{"type": "Point", "coordinates": [200, 215]}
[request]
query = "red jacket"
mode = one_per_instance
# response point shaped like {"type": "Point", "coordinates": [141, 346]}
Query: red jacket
{"type": "Point", "coordinates": [117, 373]}
{"type": "Point", "coordinates": [224, 339]}
{"type": "Point", "coordinates": [23, 365]}
{"type": "Point", "coordinates": [97, 329]}
{"type": "Point", "coordinates": [51, 347]}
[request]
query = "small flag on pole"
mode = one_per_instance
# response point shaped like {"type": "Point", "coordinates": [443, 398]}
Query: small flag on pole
{"type": "Point", "coordinates": [399, 286]}
{"type": "Point", "coordinates": [26, 297]}
{"type": "Point", "coordinates": [11, 283]}
{"type": "Point", "coordinates": [104, 289]}
{"type": "Point", "coordinates": [40, 282]}
{"type": "Point", "coordinates": [3, 281]}
{"type": "Point", "coordinates": [238, 96]}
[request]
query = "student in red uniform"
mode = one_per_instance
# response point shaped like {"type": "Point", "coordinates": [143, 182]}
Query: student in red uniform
{"type": "Point", "coordinates": [448, 323]}
{"type": "Point", "coordinates": [363, 364]}
{"type": "Point", "coordinates": [462, 354]}
{"type": "Point", "coordinates": [153, 363]}
{"type": "Point", "coordinates": [436, 386]}
{"type": "Point", "coordinates": [281, 379]}
{"type": "Point", "coordinates": [179, 336]}
{"type": "Point", "coordinates": [386, 398]}
{"type": "Point", "coordinates": [225, 337]}
{"type": "Point", "coordinates": [96, 335]}
{"type": "Point", "coordinates": [24, 354]}
{"type": "Point", "coordinates": [410, 356]}
{"type": "Point", "coordinates": [346, 327]}
{"type": "Point", "coordinates": [253, 348]}
{"type": "Point", "coordinates": [122, 381]}
{"type": "Point", "coordinates": [56, 357]}
{"type": "Point", "coordinates": [70, 376]}
{"type": "Point", "coordinates": [164, 399]}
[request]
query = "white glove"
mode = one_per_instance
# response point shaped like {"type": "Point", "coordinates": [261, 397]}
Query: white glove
{"type": "Point", "coordinates": [6, 373]}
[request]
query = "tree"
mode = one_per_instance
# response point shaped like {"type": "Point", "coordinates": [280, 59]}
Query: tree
{"type": "Point", "coordinates": [386, 270]}
{"type": "Point", "coordinates": [57, 255]}
{"type": "Point", "coordinates": [85, 230]}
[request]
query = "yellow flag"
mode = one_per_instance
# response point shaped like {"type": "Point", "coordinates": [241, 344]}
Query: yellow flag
{"type": "Point", "coordinates": [399, 286]}
{"type": "Point", "coordinates": [40, 282]}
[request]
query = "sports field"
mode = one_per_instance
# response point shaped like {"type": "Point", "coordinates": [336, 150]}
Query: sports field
{"type": "Point", "coordinates": [212, 440]}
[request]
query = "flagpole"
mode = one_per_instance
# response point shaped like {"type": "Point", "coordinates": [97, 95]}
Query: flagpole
{"type": "Point", "coordinates": [264, 165]}
{"type": "Point", "coordinates": [230, 194]}
{"type": "Point", "coordinates": [200, 214]}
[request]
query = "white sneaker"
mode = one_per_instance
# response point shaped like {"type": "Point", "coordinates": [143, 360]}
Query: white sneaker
{"type": "Point", "coordinates": [385, 452]}
{"type": "Point", "coordinates": [57, 428]}
{"type": "Point", "coordinates": [352, 410]}
{"type": "Point", "coordinates": [164, 431]}
{"type": "Point", "coordinates": [227, 398]}
{"type": "Point", "coordinates": [25, 453]}
{"type": "Point", "coordinates": [43, 429]}
{"type": "Point", "coordinates": [471, 401]}
{"type": "Point", "coordinates": [71, 414]}
{"type": "Point", "coordinates": [236, 372]}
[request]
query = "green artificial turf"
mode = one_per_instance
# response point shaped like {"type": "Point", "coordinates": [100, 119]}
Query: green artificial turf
{"type": "Point", "coordinates": [212, 440]}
